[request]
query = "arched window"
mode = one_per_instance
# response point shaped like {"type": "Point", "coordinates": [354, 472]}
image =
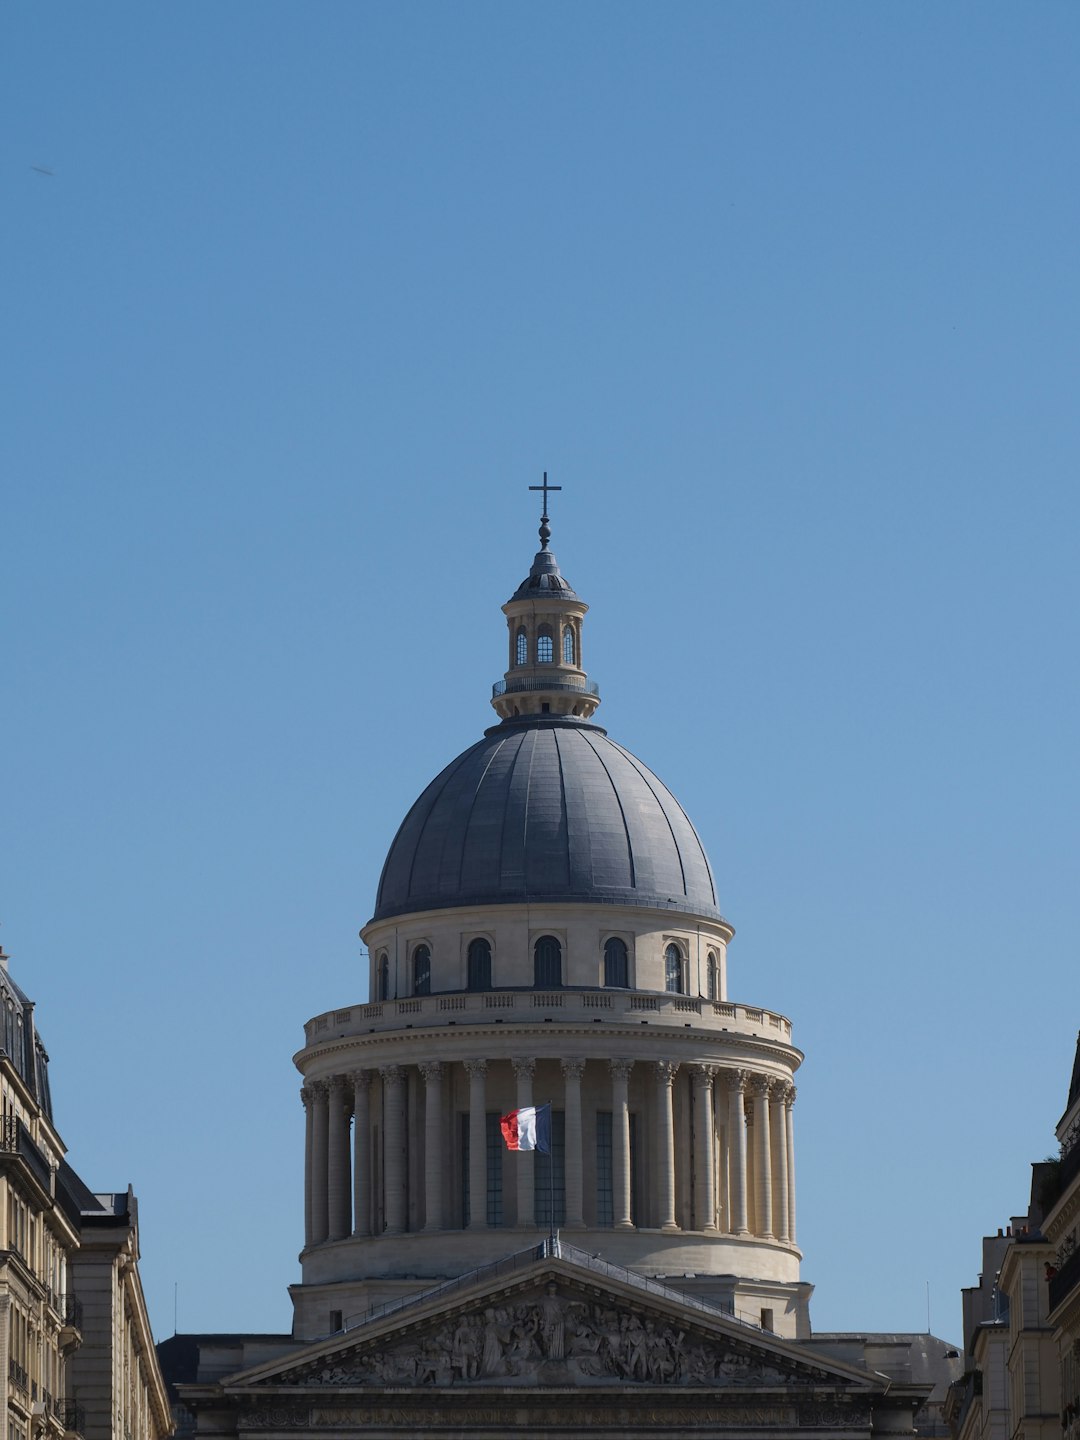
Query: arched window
{"type": "Point", "coordinates": [421, 970]}
{"type": "Point", "coordinates": [568, 646]}
{"type": "Point", "coordinates": [545, 646]}
{"type": "Point", "coordinates": [547, 963]}
{"type": "Point", "coordinates": [673, 970]}
{"type": "Point", "coordinates": [710, 976]}
{"type": "Point", "coordinates": [479, 954]}
{"type": "Point", "coordinates": [521, 647]}
{"type": "Point", "coordinates": [616, 965]}
{"type": "Point", "coordinates": [383, 980]}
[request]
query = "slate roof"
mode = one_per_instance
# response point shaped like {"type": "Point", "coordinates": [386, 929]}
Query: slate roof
{"type": "Point", "coordinates": [546, 808]}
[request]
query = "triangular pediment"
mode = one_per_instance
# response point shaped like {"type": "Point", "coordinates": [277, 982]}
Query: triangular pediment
{"type": "Point", "coordinates": [554, 1323]}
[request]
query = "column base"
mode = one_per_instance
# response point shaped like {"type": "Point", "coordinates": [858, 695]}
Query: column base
{"type": "Point", "coordinates": [671, 1229]}
{"type": "Point", "coordinates": [624, 1225]}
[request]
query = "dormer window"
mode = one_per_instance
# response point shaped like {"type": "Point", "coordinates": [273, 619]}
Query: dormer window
{"type": "Point", "coordinates": [568, 646]}
{"type": "Point", "coordinates": [521, 647]}
{"type": "Point", "coordinates": [545, 646]}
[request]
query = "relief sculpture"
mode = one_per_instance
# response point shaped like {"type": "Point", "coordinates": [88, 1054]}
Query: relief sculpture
{"type": "Point", "coordinates": [552, 1340]}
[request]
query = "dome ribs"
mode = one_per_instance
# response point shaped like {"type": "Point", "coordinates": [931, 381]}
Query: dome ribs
{"type": "Point", "coordinates": [552, 810]}
{"type": "Point", "coordinates": [603, 867]}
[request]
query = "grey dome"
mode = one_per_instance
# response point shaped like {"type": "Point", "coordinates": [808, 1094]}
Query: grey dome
{"type": "Point", "coordinates": [546, 809]}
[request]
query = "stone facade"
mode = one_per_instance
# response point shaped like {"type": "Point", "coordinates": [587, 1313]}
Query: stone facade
{"type": "Point", "coordinates": [76, 1352]}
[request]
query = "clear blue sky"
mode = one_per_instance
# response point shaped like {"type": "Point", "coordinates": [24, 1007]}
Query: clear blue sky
{"type": "Point", "coordinates": [786, 297]}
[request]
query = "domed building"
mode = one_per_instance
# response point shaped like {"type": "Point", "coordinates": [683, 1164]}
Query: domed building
{"type": "Point", "coordinates": [547, 931]}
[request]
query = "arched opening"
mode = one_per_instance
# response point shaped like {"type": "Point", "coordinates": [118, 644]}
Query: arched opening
{"type": "Point", "coordinates": [545, 645]}
{"type": "Point", "coordinates": [421, 970]}
{"type": "Point", "coordinates": [521, 647]}
{"type": "Point", "coordinates": [673, 980]}
{"type": "Point", "coordinates": [616, 964]}
{"type": "Point", "coordinates": [568, 646]}
{"type": "Point", "coordinates": [547, 963]}
{"type": "Point", "coordinates": [479, 958]}
{"type": "Point", "coordinates": [710, 976]}
{"type": "Point", "coordinates": [382, 982]}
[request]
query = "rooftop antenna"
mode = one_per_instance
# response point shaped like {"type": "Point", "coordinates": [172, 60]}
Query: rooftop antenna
{"type": "Point", "coordinates": [545, 528]}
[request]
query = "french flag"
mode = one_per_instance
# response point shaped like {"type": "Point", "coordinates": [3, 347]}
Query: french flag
{"type": "Point", "coordinates": [528, 1128]}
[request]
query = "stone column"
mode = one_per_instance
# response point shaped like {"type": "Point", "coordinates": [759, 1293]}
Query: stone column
{"type": "Point", "coordinates": [759, 1087]}
{"type": "Point", "coordinates": [665, 1071]}
{"type": "Point", "coordinates": [361, 1081]}
{"type": "Point", "coordinates": [789, 1137]}
{"type": "Point", "coordinates": [337, 1165]}
{"type": "Point", "coordinates": [477, 1073]}
{"type": "Point", "coordinates": [432, 1072]}
{"type": "Point", "coordinates": [572, 1072]}
{"type": "Point", "coordinates": [721, 1168]}
{"type": "Point", "coordinates": [778, 1128]}
{"type": "Point", "coordinates": [737, 1149]}
{"type": "Point", "coordinates": [525, 1161]}
{"type": "Point", "coordinates": [701, 1077]}
{"type": "Point", "coordinates": [620, 1143]}
{"type": "Point", "coordinates": [393, 1078]}
{"type": "Point", "coordinates": [320, 1215]}
{"type": "Point", "coordinates": [307, 1099]}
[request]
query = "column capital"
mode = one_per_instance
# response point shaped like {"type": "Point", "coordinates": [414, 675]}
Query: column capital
{"type": "Point", "coordinates": [431, 1070]}
{"type": "Point", "coordinates": [737, 1080]}
{"type": "Point", "coordinates": [790, 1093]}
{"type": "Point", "coordinates": [524, 1067]}
{"type": "Point", "coordinates": [361, 1079]}
{"type": "Point", "coordinates": [620, 1069]}
{"type": "Point", "coordinates": [702, 1075]}
{"type": "Point", "coordinates": [573, 1069]}
{"type": "Point", "coordinates": [778, 1091]}
{"type": "Point", "coordinates": [665, 1071]}
{"type": "Point", "coordinates": [320, 1089]}
{"type": "Point", "coordinates": [392, 1074]}
{"type": "Point", "coordinates": [760, 1086]}
{"type": "Point", "coordinates": [338, 1082]}
{"type": "Point", "coordinates": [474, 1068]}
{"type": "Point", "coordinates": [307, 1094]}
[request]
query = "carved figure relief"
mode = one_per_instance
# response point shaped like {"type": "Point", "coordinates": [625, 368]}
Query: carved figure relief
{"type": "Point", "coordinates": [553, 1339]}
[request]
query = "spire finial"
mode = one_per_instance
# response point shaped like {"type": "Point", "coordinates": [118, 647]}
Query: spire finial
{"type": "Point", "coordinates": [545, 528]}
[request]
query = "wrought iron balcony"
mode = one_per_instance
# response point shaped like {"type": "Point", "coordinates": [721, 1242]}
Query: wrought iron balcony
{"type": "Point", "coordinates": [1066, 1280]}
{"type": "Point", "coordinates": [15, 1140]}
{"type": "Point", "coordinates": [570, 683]}
{"type": "Point", "coordinates": [18, 1376]}
{"type": "Point", "coordinates": [71, 1415]}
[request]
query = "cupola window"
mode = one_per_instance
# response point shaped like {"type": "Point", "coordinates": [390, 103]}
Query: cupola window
{"type": "Point", "coordinates": [616, 964]}
{"type": "Point", "coordinates": [382, 981]}
{"type": "Point", "coordinates": [521, 647]}
{"type": "Point", "coordinates": [673, 980]}
{"type": "Point", "coordinates": [710, 976]}
{"type": "Point", "coordinates": [547, 963]}
{"type": "Point", "coordinates": [421, 966]}
{"type": "Point", "coordinates": [479, 957]}
{"type": "Point", "coordinates": [545, 646]}
{"type": "Point", "coordinates": [568, 646]}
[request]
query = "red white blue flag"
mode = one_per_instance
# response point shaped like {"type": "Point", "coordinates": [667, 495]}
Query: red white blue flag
{"type": "Point", "coordinates": [528, 1128]}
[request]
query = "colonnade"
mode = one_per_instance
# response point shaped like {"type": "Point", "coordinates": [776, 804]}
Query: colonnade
{"type": "Point", "coordinates": [724, 1152]}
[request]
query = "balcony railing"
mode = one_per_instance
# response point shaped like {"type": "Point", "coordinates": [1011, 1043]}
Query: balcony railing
{"type": "Point", "coordinates": [608, 1006]}
{"type": "Point", "coordinates": [18, 1376]}
{"type": "Point", "coordinates": [516, 684]}
{"type": "Point", "coordinates": [1065, 1281]}
{"type": "Point", "coordinates": [15, 1139]}
{"type": "Point", "coordinates": [71, 1415]}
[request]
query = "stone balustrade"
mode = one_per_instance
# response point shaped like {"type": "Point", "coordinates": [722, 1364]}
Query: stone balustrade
{"type": "Point", "coordinates": [615, 1007]}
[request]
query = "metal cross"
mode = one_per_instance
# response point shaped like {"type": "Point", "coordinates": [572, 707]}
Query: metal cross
{"type": "Point", "coordinates": [545, 487]}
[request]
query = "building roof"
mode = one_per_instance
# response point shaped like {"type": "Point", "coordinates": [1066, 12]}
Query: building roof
{"type": "Point", "coordinates": [546, 808]}
{"type": "Point", "coordinates": [544, 579]}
